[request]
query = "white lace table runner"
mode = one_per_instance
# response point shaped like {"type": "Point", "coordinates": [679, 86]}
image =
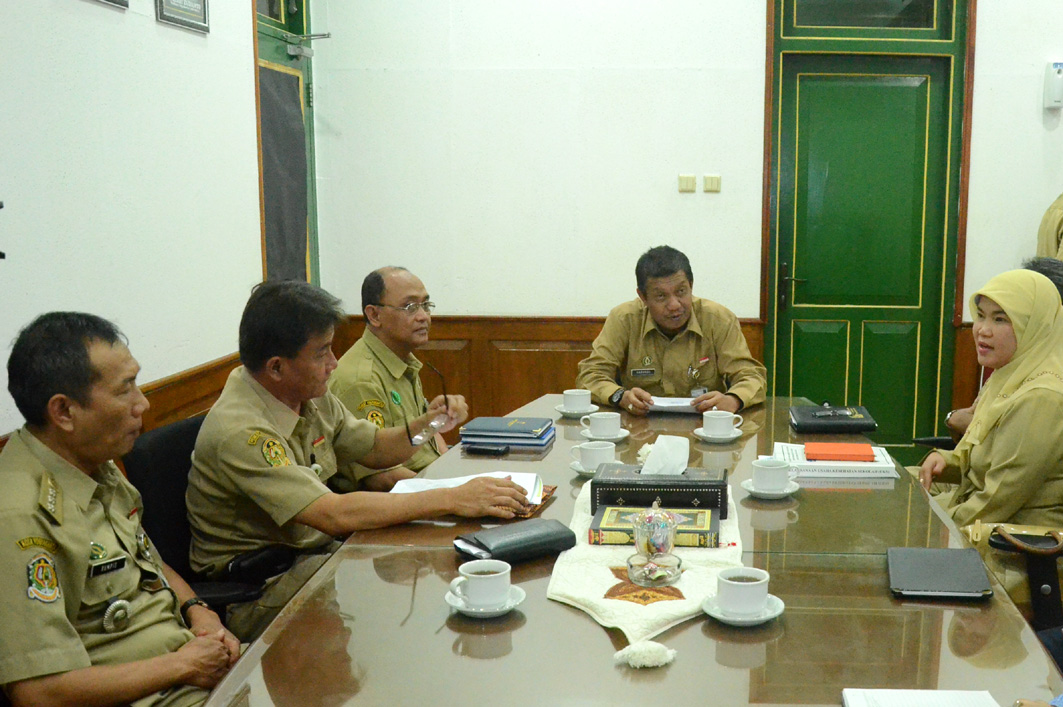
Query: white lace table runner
{"type": "Point", "coordinates": [594, 578]}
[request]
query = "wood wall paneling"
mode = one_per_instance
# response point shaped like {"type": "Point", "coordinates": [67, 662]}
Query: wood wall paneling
{"type": "Point", "coordinates": [497, 363]}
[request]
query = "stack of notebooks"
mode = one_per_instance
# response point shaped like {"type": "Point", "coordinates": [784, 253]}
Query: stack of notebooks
{"type": "Point", "coordinates": [517, 432]}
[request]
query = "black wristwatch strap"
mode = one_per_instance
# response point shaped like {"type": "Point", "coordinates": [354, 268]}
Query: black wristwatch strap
{"type": "Point", "coordinates": [616, 397]}
{"type": "Point", "coordinates": [194, 601]}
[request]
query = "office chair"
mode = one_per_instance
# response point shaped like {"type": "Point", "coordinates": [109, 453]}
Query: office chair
{"type": "Point", "coordinates": [1041, 553]}
{"type": "Point", "coordinates": [158, 466]}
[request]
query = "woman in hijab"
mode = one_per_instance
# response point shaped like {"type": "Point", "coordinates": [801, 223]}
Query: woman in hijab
{"type": "Point", "coordinates": [1010, 460]}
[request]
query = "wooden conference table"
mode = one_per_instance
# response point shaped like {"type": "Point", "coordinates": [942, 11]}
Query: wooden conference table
{"type": "Point", "coordinates": [371, 627]}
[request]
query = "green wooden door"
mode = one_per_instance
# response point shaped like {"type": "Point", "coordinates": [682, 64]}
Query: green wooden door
{"type": "Point", "coordinates": [866, 166]}
{"type": "Point", "coordinates": [286, 128]}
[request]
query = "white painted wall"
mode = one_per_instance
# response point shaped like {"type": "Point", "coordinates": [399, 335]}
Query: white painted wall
{"type": "Point", "coordinates": [520, 156]}
{"type": "Point", "coordinates": [129, 176]}
{"type": "Point", "coordinates": [1016, 145]}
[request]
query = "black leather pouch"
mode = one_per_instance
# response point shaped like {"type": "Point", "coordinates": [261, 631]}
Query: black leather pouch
{"type": "Point", "coordinates": [515, 542]}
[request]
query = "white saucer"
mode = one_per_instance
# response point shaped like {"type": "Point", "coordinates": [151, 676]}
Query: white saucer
{"type": "Point", "coordinates": [717, 439]}
{"type": "Point", "coordinates": [616, 438]}
{"type": "Point", "coordinates": [578, 468]}
{"type": "Point", "coordinates": [791, 487]}
{"type": "Point", "coordinates": [773, 608]}
{"type": "Point", "coordinates": [575, 414]}
{"type": "Point", "coordinates": [516, 596]}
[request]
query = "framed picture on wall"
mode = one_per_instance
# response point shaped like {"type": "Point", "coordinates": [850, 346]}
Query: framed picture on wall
{"type": "Point", "coordinates": [117, 3]}
{"type": "Point", "coordinates": [183, 13]}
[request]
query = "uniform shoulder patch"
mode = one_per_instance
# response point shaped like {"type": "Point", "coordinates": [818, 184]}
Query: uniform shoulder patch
{"type": "Point", "coordinates": [253, 439]}
{"type": "Point", "coordinates": [43, 580]}
{"type": "Point", "coordinates": [36, 541]}
{"type": "Point", "coordinates": [376, 418]}
{"type": "Point", "coordinates": [374, 403]}
{"type": "Point", "coordinates": [274, 452]}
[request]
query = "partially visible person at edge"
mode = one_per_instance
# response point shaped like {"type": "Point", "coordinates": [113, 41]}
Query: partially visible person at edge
{"type": "Point", "coordinates": [668, 342]}
{"type": "Point", "coordinates": [90, 614]}
{"type": "Point", "coordinates": [276, 435]}
{"type": "Point", "coordinates": [378, 379]}
{"type": "Point", "coordinates": [1009, 463]}
{"type": "Point", "coordinates": [1050, 232]}
{"type": "Point", "coordinates": [958, 420]}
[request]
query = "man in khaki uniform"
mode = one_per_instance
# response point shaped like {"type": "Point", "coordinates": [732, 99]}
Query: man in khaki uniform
{"type": "Point", "coordinates": [88, 611]}
{"type": "Point", "coordinates": [276, 435]}
{"type": "Point", "coordinates": [670, 343]}
{"type": "Point", "coordinates": [378, 379]}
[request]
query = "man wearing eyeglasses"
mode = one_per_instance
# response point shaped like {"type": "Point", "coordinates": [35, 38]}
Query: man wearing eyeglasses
{"type": "Point", "coordinates": [378, 379]}
{"type": "Point", "coordinates": [277, 435]}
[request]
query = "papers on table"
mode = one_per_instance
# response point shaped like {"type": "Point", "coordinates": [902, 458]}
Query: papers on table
{"type": "Point", "coordinates": [662, 404]}
{"type": "Point", "coordinates": [532, 483]}
{"type": "Point", "coordinates": [794, 454]}
{"type": "Point", "coordinates": [917, 698]}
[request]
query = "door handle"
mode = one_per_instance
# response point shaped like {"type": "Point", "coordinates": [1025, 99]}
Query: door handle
{"type": "Point", "coordinates": [784, 282]}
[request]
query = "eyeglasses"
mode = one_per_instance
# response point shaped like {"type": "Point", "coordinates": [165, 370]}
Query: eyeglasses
{"type": "Point", "coordinates": [411, 308]}
{"type": "Point", "coordinates": [437, 423]}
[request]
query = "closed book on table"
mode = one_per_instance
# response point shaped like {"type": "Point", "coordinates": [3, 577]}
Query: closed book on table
{"type": "Point", "coordinates": [831, 419]}
{"type": "Point", "coordinates": [611, 525]}
{"type": "Point", "coordinates": [839, 451]}
{"type": "Point", "coordinates": [946, 573]}
{"type": "Point", "coordinates": [515, 441]}
{"type": "Point", "coordinates": [527, 427]}
{"type": "Point", "coordinates": [618, 484]}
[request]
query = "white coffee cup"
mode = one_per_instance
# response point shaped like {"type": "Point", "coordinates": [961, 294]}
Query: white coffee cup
{"type": "Point", "coordinates": [771, 519]}
{"type": "Point", "coordinates": [742, 590]}
{"type": "Point", "coordinates": [770, 474]}
{"type": "Point", "coordinates": [577, 400]}
{"type": "Point", "coordinates": [483, 584]}
{"type": "Point", "coordinates": [591, 454]}
{"type": "Point", "coordinates": [719, 423]}
{"type": "Point", "coordinates": [602, 424]}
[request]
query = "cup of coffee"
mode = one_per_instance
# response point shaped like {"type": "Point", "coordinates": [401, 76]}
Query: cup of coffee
{"type": "Point", "coordinates": [719, 423]}
{"type": "Point", "coordinates": [591, 454]}
{"type": "Point", "coordinates": [770, 474]}
{"type": "Point", "coordinates": [577, 400]}
{"type": "Point", "coordinates": [483, 584]}
{"type": "Point", "coordinates": [602, 424]}
{"type": "Point", "coordinates": [771, 519]}
{"type": "Point", "coordinates": [742, 590]}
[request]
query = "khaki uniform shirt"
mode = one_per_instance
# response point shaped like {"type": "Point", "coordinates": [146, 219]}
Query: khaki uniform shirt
{"type": "Point", "coordinates": [376, 385]}
{"type": "Point", "coordinates": [1016, 473]}
{"type": "Point", "coordinates": [711, 353]}
{"type": "Point", "coordinates": [70, 545]}
{"type": "Point", "coordinates": [1050, 232]}
{"type": "Point", "coordinates": [257, 464]}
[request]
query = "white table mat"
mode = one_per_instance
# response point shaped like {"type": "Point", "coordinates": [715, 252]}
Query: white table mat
{"type": "Point", "coordinates": [594, 578]}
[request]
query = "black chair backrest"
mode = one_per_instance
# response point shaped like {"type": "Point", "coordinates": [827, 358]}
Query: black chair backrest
{"type": "Point", "coordinates": [158, 466]}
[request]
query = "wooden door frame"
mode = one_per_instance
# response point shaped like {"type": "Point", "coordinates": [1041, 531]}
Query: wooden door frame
{"type": "Point", "coordinates": [768, 191]}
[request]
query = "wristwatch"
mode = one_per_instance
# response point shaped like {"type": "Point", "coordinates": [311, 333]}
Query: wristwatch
{"type": "Point", "coordinates": [194, 601]}
{"type": "Point", "coordinates": [616, 397]}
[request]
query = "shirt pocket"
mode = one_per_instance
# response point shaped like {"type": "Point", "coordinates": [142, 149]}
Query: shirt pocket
{"type": "Point", "coordinates": [103, 587]}
{"type": "Point", "coordinates": [707, 374]}
{"type": "Point", "coordinates": [325, 457]}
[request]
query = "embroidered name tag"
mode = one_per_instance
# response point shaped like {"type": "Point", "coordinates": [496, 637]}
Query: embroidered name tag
{"type": "Point", "coordinates": [95, 570]}
{"type": "Point", "coordinates": [643, 372]}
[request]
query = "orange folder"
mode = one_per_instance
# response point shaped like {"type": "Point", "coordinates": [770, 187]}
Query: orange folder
{"type": "Point", "coordinates": [839, 452]}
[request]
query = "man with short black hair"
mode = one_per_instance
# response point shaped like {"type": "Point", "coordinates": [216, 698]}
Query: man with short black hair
{"type": "Point", "coordinates": [90, 614]}
{"type": "Point", "coordinates": [276, 435]}
{"type": "Point", "coordinates": [670, 343]}
{"type": "Point", "coordinates": [378, 379]}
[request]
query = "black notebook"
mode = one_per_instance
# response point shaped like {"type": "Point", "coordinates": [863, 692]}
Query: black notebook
{"type": "Point", "coordinates": [948, 573]}
{"type": "Point", "coordinates": [831, 419]}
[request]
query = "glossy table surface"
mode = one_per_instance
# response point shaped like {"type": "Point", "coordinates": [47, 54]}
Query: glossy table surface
{"type": "Point", "coordinates": [371, 627]}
